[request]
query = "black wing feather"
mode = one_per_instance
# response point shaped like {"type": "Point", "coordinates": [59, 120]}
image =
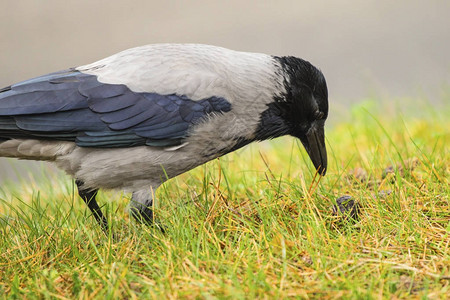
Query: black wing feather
{"type": "Point", "coordinates": [70, 105]}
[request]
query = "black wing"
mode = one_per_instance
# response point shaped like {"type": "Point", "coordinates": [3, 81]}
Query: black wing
{"type": "Point", "coordinates": [73, 106]}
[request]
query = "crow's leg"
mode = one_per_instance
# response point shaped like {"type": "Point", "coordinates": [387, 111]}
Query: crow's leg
{"type": "Point", "coordinates": [142, 206]}
{"type": "Point", "coordinates": [88, 196]}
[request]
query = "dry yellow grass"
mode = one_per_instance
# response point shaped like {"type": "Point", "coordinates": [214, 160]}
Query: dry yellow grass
{"type": "Point", "coordinates": [254, 224]}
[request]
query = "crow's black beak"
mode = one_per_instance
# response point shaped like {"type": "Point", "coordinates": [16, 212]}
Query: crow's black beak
{"type": "Point", "coordinates": [314, 143]}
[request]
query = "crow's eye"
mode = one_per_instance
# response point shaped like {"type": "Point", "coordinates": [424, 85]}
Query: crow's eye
{"type": "Point", "coordinates": [319, 115]}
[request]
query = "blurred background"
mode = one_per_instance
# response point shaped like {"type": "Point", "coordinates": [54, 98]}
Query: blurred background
{"type": "Point", "coordinates": [383, 48]}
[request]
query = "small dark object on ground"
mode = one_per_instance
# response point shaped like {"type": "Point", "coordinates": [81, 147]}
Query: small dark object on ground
{"type": "Point", "coordinates": [358, 175]}
{"type": "Point", "coordinates": [388, 170]}
{"type": "Point", "coordinates": [346, 207]}
{"type": "Point", "coordinates": [410, 164]}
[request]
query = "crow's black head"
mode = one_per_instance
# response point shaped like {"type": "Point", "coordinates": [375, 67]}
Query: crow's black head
{"type": "Point", "coordinates": [301, 110]}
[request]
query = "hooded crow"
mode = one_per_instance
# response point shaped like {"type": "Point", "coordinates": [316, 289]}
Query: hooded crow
{"type": "Point", "coordinates": [134, 119]}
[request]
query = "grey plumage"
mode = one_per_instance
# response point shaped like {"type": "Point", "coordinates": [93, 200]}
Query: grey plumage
{"type": "Point", "coordinates": [130, 120]}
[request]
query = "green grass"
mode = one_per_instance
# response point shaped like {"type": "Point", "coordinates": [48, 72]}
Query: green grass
{"type": "Point", "coordinates": [252, 224]}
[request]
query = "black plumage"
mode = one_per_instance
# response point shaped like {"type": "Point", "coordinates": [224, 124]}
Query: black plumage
{"type": "Point", "coordinates": [73, 106]}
